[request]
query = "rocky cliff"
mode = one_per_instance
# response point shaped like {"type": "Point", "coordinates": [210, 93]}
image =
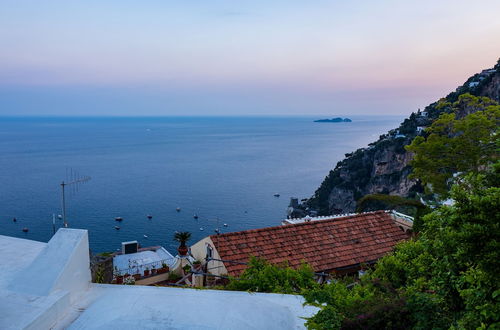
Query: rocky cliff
{"type": "Point", "coordinates": [383, 167]}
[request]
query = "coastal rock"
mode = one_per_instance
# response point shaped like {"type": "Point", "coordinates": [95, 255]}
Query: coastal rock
{"type": "Point", "coordinates": [383, 167]}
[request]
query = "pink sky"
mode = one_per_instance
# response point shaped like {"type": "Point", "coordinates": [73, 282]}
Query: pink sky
{"type": "Point", "coordinates": [284, 57]}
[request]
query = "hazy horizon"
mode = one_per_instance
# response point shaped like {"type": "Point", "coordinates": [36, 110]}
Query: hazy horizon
{"type": "Point", "coordinates": [164, 58]}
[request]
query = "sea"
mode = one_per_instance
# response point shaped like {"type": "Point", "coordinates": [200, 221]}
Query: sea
{"type": "Point", "coordinates": [225, 170]}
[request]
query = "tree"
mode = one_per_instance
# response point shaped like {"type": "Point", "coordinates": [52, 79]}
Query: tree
{"type": "Point", "coordinates": [261, 276]}
{"type": "Point", "coordinates": [447, 277]}
{"type": "Point", "coordinates": [412, 207]}
{"type": "Point", "coordinates": [457, 145]}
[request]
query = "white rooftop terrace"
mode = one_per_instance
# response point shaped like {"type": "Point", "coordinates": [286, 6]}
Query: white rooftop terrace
{"type": "Point", "coordinates": [136, 263]}
{"type": "Point", "coordinates": [396, 215]}
{"type": "Point", "coordinates": [47, 285]}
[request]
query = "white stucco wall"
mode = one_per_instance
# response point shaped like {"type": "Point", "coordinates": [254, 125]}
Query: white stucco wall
{"type": "Point", "coordinates": [199, 252]}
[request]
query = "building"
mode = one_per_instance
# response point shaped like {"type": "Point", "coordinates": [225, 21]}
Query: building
{"type": "Point", "coordinates": [47, 286]}
{"type": "Point", "coordinates": [147, 264]}
{"type": "Point", "coordinates": [336, 245]}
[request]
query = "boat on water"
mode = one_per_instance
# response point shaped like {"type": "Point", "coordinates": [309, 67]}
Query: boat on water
{"type": "Point", "coordinates": [117, 227]}
{"type": "Point", "coordinates": [25, 229]}
{"type": "Point", "coordinates": [145, 236]}
{"type": "Point", "coordinates": [195, 216]}
{"type": "Point", "coordinates": [178, 209]}
{"type": "Point", "coordinates": [149, 216]}
{"type": "Point", "coordinates": [118, 219]}
{"type": "Point", "coordinates": [277, 195]}
{"type": "Point", "coordinates": [225, 225]}
{"type": "Point", "coordinates": [201, 228]}
{"type": "Point", "coordinates": [14, 219]}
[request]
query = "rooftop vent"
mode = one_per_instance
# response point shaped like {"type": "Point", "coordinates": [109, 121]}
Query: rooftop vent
{"type": "Point", "coordinates": [130, 247]}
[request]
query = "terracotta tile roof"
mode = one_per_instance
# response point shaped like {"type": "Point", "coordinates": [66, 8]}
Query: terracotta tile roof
{"type": "Point", "coordinates": [325, 244]}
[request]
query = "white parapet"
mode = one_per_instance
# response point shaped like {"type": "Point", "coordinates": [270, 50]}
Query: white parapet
{"type": "Point", "coordinates": [63, 265]}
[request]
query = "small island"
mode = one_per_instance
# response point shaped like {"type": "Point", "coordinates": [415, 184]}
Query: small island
{"type": "Point", "coordinates": [334, 120]}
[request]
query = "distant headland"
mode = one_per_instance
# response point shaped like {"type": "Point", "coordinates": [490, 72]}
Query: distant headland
{"type": "Point", "coordinates": [334, 120]}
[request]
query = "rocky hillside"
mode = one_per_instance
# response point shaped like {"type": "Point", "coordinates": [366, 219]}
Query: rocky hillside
{"type": "Point", "coordinates": [383, 167]}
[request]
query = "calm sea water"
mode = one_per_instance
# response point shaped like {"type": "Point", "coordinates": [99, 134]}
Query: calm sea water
{"type": "Point", "coordinates": [217, 168]}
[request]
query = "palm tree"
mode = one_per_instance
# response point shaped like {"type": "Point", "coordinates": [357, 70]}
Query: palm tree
{"type": "Point", "coordinates": [182, 238]}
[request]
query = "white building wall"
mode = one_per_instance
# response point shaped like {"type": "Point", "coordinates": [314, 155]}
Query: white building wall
{"type": "Point", "coordinates": [199, 252]}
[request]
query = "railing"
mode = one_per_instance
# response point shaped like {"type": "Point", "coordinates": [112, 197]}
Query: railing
{"type": "Point", "coordinates": [139, 269]}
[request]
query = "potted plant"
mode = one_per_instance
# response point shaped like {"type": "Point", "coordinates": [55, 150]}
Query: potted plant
{"type": "Point", "coordinates": [186, 269]}
{"type": "Point", "coordinates": [163, 269]}
{"type": "Point", "coordinates": [182, 238]}
{"type": "Point", "coordinates": [146, 271]}
{"type": "Point", "coordinates": [117, 276]}
{"type": "Point", "coordinates": [129, 280]}
{"type": "Point", "coordinates": [197, 265]}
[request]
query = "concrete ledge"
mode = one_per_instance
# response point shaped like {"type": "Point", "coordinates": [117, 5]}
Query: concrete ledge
{"type": "Point", "coordinates": [22, 311]}
{"type": "Point", "coordinates": [62, 265]}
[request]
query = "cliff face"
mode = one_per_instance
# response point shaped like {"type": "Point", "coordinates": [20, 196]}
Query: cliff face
{"type": "Point", "coordinates": [383, 167]}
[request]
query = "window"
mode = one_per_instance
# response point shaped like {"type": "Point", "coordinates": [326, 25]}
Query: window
{"type": "Point", "coordinates": [209, 252]}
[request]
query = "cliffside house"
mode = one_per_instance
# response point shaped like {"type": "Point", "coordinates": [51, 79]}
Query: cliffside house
{"type": "Point", "coordinates": [335, 245]}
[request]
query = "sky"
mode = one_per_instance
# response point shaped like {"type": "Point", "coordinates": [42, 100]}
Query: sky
{"type": "Point", "coordinates": [202, 58]}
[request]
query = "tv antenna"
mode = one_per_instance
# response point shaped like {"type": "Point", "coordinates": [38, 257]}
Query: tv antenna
{"type": "Point", "coordinates": [72, 181]}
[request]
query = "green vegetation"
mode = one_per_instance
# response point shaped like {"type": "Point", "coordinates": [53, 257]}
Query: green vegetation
{"type": "Point", "coordinates": [446, 277]}
{"type": "Point", "coordinates": [455, 146]}
{"type": "Point", "coordinates": [407, 206]}
{"type": "Point", "coordinates": [260, 276]}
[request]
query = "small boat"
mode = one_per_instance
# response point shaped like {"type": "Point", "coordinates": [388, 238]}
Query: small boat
{"type": "Point", "coordinates": [195, 216]}
{"type": "Point", "coordinates": [276, 195]}
{"type": "Point", "coordinates": [25, 229]}
{"type": "Point", "coordinates": [145, 236]}
{"type": "Point", "coordinates": [14, 219]}
{"type": "Point", "coordinates": [118, 219]}
{"type": "Point", "coordinates": [225, 225]}
{"type": "Point", "coordinates": [149, 216]}
{"type": "Point", "coordinates": [178, 209]}
{"type": "Point", "coordinates": [117, 227]}
{"type": "Point", "coordinates": [201, 228]}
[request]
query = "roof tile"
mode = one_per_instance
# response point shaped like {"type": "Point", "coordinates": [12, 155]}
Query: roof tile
{"type": "Point", "coordinates": [324, 244]}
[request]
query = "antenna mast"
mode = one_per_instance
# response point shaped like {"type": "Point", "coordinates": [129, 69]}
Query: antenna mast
{"type": "Point", "coordinates": [74, 181]}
